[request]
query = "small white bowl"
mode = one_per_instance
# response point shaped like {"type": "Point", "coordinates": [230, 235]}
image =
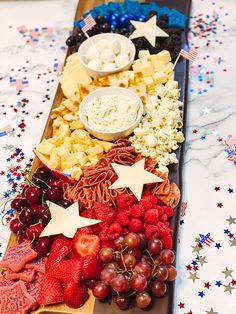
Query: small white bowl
{"type": "Point", "coordinates": [110, 136]}
{"type": "Point", "coordinates": [94, 39]}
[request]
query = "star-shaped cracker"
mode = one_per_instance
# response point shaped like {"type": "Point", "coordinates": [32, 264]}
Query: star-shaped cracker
{"type": "Point", "coordinates": [66, 220]}
{"type": "Point", "coordinates": [147, 29]}
{"type": "Point", "coordinates": [133, 177]}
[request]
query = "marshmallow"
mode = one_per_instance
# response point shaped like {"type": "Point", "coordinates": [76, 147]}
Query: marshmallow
{"type": "Point", "coordinates": [102, 45]}
{"type": "Point", "coordinates": [121, 60]}
{"type": "Point", "coordinates": [95, 64]}
{"type": "Point", "coordinates": [107, 56]}
{"type": "Point", "coordinates": [115, 46]}
{"type": "Point", "coordinates": [108, 66]}
{"type": "Point", "coordinates": [92, 53]}
{"type": "Point", "coordinates": [124, 48]}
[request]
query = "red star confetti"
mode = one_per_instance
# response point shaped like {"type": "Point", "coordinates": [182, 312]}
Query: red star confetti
{"type": "Point", "coordinates": [207, 285]}
{"type": "Point", "coordinates": [220, 205]}
{"type": "Point", "coordinates": [181, 305]}
{"type": "Point", "coordinates": [217, 188]}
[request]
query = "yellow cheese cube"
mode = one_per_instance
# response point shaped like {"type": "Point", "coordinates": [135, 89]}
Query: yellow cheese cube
{"type": "Point", "coordinates": [54, 159]}
{"type": "Point", "coordinates": [164, 55]}
{"type": "Point", "coordinates": [75, 172]}
{"type": "Point", "coordinates": [92, 151]}
{"type": "Point", "coordinates": [160, 77]}
{"type": "Point", "coordinates": [81, 158]}
{"type": "Point", "coordinates": [171, 84]}
{"type": "Point", "coordinates": [148, 81]}
{"type": "Point", "coordinates": [106, 145]}
{"type": "Point", "coordinates": [93, 159]}
{"type": "Point", "coordinates": [74, 125]}
{"type": "Point", "coordinates": [169, 68]}
{"type": "Point", "coordinates": [158, 65]}
{"type": "Point", "coordinates": [131, 77]}
{"type": "Point", "coordinates": [146, 69]}
{"type": "Point", "coordinates": [144, 54]}
{"type": "Point", "coordinates": [136, 68]}
{"type": "Point", "coordinates": [68, 160]}
{"type": "Point", "coordinates": [45, 147]}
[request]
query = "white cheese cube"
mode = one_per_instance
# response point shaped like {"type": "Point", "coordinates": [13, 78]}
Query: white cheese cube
{"type": "Point", "coordinates": [144, 54]}
{"type": "Point", "coordinates": [164, 55]}
{"type": "Point", "coordinates": [160, 77]}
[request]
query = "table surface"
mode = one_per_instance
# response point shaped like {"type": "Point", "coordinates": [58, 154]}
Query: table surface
{"type": "Point", "coordinates": [31, 62]}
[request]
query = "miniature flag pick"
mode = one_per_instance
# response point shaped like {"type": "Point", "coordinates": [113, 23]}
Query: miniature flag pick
{"type": "Point", "coordinates": [148, 29]}
{"type": "Point", "coordinates": [187, 53]}
{"type": "Point", "coordinates": [87, 23]}
{"type": "Point", "coordinates": [133, 177]}
{"type": "Point", "coordinates": [66, 220]}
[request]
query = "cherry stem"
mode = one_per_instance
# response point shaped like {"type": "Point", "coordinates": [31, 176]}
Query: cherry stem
{"type": "Point", "coordinates": [31, 183]}
{"type": "Point", "coordinates": [28, 245]}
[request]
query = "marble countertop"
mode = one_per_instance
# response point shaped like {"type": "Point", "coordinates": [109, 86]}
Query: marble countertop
{"type": "Point", "coordinates": [31, 61]}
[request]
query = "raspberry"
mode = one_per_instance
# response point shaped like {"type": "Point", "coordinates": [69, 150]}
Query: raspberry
{"type": "Point", "coordinates": [115, 231]}
{"type": "Point", "coordinates": [151, 198]}
{"type": "Point", "coordinates": [151, 216]}
{"type": "Point", "coordinates": [122, 219]}
{"type": "Point", "coordinates": [124, 201]}
{"type": "Point", "coordinates": [151, 232]}
{"type": "Point", "coordinates": [137, 211]}
{"type": "Point", "coordinates": [135, 225]}
{"type": "Point", "coordinates": [107, 243]}
{"type": "Point", "coordinates": [103, 234]}
{"type": "Point", "coordinates": [96, 228]}
{"type": "Point", "coordinates": [168, 211]}
{"type": "Point", "coordinates": [164, 218]}
{"type": "Point", "coordinates": [104, 213]}
{"type": "Point", "coordinates": [87, 230]}
{"type": "Point", "coordinates": [160, 209]}
{"type": "Point", "coordinates": [146, 204]}
{"type": "Point", "coordinates": [167, 242]}
{"type": "Point", "coordinates": [163, 229]}
{"type": "Point", "coordinates": [88, 213]}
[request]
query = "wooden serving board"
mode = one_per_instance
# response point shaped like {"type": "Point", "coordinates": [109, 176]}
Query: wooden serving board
{"type": "Point", "coordinates": [163, 305]}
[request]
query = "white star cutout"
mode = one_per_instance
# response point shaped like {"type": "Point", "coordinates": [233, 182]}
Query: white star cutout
{"type": "Point", "coordinates": [148, 29]}
{"type": "Point", "coordinates": [66, 220]}
{"type": "Point", "coordinates": [205, 110]}
{"type": "Point", "coordinates": [133, 177]}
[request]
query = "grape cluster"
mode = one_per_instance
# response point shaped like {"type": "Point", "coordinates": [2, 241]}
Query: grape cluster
{"type": "Point", "coordinates": [33, 212]}
{"type": "Point", "coordinates": [135, 268]}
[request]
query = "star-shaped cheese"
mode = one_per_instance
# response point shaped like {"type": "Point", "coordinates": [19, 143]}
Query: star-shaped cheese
{"type": "Point", "coordinates": [66, 220]}
{"type": "Point", "coordinates": [148, 29]}
{"type": "Point", "coordinates": [133, 177]}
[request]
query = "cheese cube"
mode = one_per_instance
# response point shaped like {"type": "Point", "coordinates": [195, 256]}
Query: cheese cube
{"type": "Point", "coordinates": [169, 68]}
{"type": "Point", "coordinates": [93, 159]}
{"type": "Point", "coordinates": [136, 68]}
{"type": "Point", "coordinates": [160, 77]}
{"type": "Point", "coordinates": [164, 55]}
{"type": "Point", "coordinates": [74, 125]}
{"type": "Point", "coordinates": [144, 54]}
{"type": "Point", "coordinates": [146, 69]}
{"type": "Point", "coordinates": [158, 65]}
{"type": "Point", "coordinates": [45, 147]}
{"type": "Point", "coordinates": [98, 149]}
{"type": "Point", "coordinates": [148, 81]}
{"type": "Point", "coordinates": [171, 84]}
{"type": "Point", "coordinates": [131, 77]}
{"type": "Point", "coordinates": [68, 160]}
{"type": "Point", "coordinates": [54, 159]}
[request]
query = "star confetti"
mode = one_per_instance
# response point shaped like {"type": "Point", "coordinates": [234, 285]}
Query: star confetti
{"type": "Point", "coordinates": [66, 220]}
{"type": "Point", "coordinates": [193, 276]}
{"type": "Point", "coordinates": [211, 311]}
{"type": "Point", "coordinates": [147, 29]}
{"type": "Point", "coordinates": [228, 288]}
{"type": "Point", "coordinates": [231, 220]}
{"type": "Point", "coordinates": [227, 272]}
{"type": "Point", "coordinates": [126, 175]}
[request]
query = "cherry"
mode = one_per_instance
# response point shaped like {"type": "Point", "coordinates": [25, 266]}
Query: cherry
{"type": "Point", "coordinates": [55, 194]}
{"type": "Point", "coordinates": [39, 210]}
{"type": "Point", "coordinates": [27, 216]}
{"type": "Point", "coordinates": [33, 195]}
{"type": "Point", "coordinates": [22, 238]}
{"type": "Point", "coordinates": [41, 177]}
{"type": "Point", "coordinates": [33, 232]}
{"type": "Point", "coordinates": [18, 203]}
{"type": "Point", "coordinates": [54, 181]}
{"type": "Point", "coordinates": [46, 217]}
{"type": "Point", "coordinates": [45, 172]}
{"type": "Point", "coordinates": [14, 225]}
{"type": "Point", "coordinates": [43, 246]}
{"type": "Point", "coordinates": [64, 203]}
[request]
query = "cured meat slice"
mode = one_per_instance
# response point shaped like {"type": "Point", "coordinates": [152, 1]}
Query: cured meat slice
{"type": "Point", "coordinates": [24, 274]}
{"type": "Point", "coordinates": [38, 264]}
{"type": "Point", "coordinates": [15, 299]}
{"type": "Point", "coordinates": [17, 256]}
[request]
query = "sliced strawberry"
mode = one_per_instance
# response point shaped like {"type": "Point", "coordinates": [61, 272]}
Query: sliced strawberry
{"type": "Point", "coordinates": [60, 248]}
{"type": "Point", "coordinates": [91, 267]}
{"type": "Point", "coordinates": [67, 270]}
{"type": "Point", "coordinates": [75, 294]}
{"type": "Point", "coordinates": [51, 291]}
{"type": "Point", "coordinates": [86, 244]}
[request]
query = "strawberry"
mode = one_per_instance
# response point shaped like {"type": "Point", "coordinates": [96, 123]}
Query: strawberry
{"type": "Point", "coordinates": [75, 294]}
{"type": "Point", "coordinates": [124, 201]}
{"type": "Point", "coordinates": [91, 267]}
{"type": "Point", "coordinates": [86, 244]}
{"type": "Point", "coordinates": [60, 248]}
{"type": "Point", "coordinates": [104, 213]}
{"type": "Point", "coordinates": [51, 291]}
{"type": "Point", "coordinates": [67, 270]}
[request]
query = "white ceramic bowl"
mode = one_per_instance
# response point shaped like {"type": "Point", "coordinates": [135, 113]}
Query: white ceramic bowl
{"type": "Point", "coordinates": [110, 136]}
{"type": "Point", "coordinates": [94, 39]}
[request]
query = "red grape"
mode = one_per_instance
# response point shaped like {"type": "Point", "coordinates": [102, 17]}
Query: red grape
{"type": "Point", "coordinates": [33, 232]}
{"type": "Point", "coordinates": [91, 283]}
{"type": "Point", "coordinates": [132, 240]}
{"type": "Point", "coordinates": [101, 290]}
{"type": "Point", "coordinates": [143, 300]}
{"type": "Point", "coordinates": [172, 273]}
{"type": "Point", "coordinates": [54, 194]}
{"type": "Point", "coordinates": [33, 195]}
{"type": "Point", "coordinates": [161, 273]}
{"type": "Point", "coordinates": [27, 216]}
{"type": "Point", "coordinates": [120, 283]}
{"type": "Point", "coordinates": [119, 243]}
{"type": "Point", "coordinates": [106, 254]}
{"type": "Point", "coordinates": [107, 274]}
{"type": "Point", "coordinates": [154, 246]}
{"type": "Point", "coordinates": [143, 240]}
{"type": "Point", "coordinates": [136, 252]}
{"type": "Point", "coordinates": [138, 282]}
{"type": "Point", "coordinates": [129, 261]}
{"type": "Point", "coordinates": [143, 268]}
{"type": "Point", "coordinates": [122, 301]}
{"type": "Point", "coordinates": [18, 203]}
{"type": "Point", "coordinates": [43, 246]}
{"type": "Point", "coordinates": [167, 257]}
{"type": "Point", "coordinates": [112, 265]}
{"type": "Point", "coordinates": [158, 288]}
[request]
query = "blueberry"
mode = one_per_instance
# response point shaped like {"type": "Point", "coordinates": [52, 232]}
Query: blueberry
{"type": "Point", "coordinates": [71, 41]}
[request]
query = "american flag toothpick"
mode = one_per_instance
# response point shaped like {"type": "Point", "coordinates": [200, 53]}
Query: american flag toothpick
{"type": "Point", "coordinates": [187, 53]}
{"type": "Point", "coordinates": [87, 23]}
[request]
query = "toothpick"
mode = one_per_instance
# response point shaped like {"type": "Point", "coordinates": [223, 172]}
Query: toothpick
{"type": "Point", "coordinates": [177, 59]}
